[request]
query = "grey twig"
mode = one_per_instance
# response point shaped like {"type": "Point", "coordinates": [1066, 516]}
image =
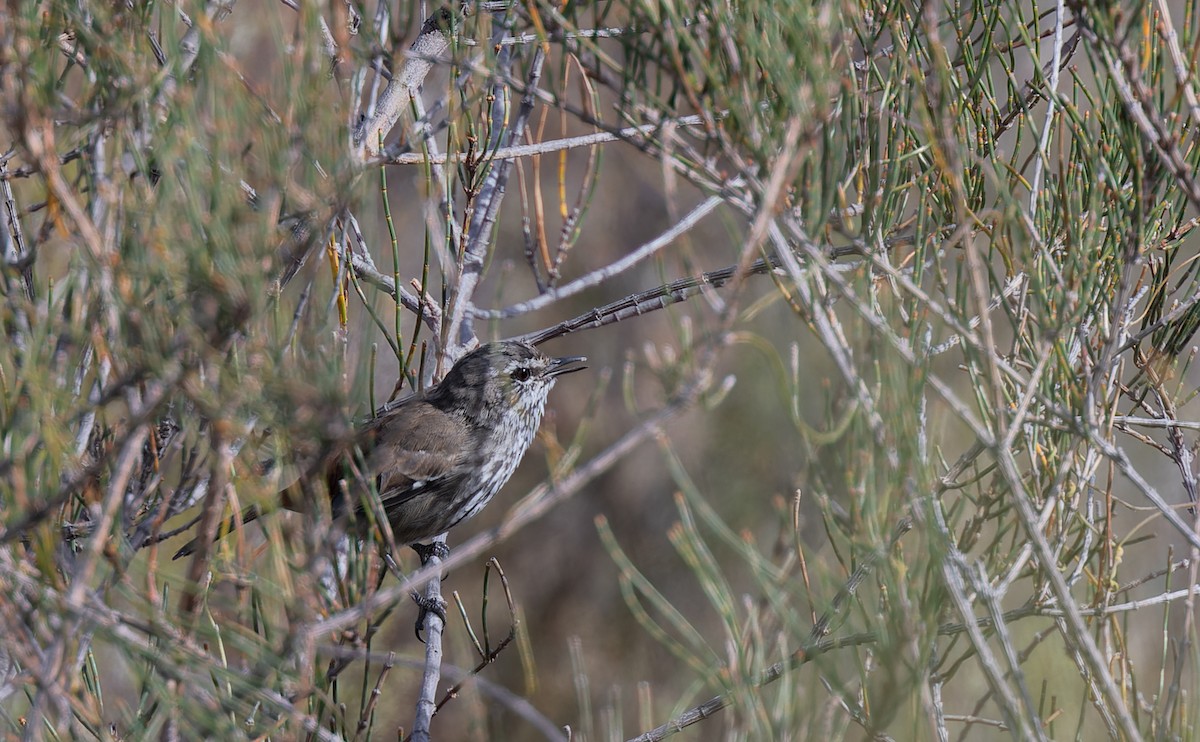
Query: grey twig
{"type": "Point", "coordinates": [470, 267]}
{"type": "Point", "coordinates": [553, 145]}
{"type": "Point", "coordinates": [1184, 70]}
{"type": "Point", "coordinates": [595, 278]}
{"type": "Point", "coordinates": [491, 193]}
{"type": "Point", "coordinates": [647, 301]}
{"type": "Point", "coordinates": [364, 268]}
{"type": "Point", "coordinates": [510, 701]}
{"type": "Point", "coordinates": [12, 239]}
{"type": "Point", "coordinates": [433, 40]}
{"type": "Point", "coordinates": [432, 670]}
{"type": "Point", "coordinates": [1125, 69]}
{"type": "Point", "coordinates": [1051, 102]}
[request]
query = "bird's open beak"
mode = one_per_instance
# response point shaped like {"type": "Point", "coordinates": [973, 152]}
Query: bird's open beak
{"type": "Point", "coordinates": [565, 365]}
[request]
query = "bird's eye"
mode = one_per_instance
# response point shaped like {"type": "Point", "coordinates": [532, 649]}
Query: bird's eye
{"type": "Point", "coordinates": [521, 374]}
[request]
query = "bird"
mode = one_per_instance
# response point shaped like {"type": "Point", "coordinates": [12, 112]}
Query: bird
{"type": "Point", "coordinates": [436, 458]}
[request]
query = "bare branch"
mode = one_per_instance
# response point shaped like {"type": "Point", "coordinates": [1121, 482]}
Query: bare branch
{"type": "Point", "coordinates": [433, 40]}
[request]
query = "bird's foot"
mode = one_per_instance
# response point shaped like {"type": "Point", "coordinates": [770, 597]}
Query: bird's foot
{"type": "Point", "coordinates": [428, 605]}
{"type": "Point", "coordinates": [431, 549]}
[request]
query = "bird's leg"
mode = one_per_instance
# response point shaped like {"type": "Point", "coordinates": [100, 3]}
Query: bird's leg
{"type": "Point", "coordinates": [431, 549]}
{"type": "Point", "coordinates": [428, 605]}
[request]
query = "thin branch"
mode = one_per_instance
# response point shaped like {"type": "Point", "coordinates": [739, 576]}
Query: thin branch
{"type": "Point", "coordinates": [517, 705]}
{"type": "Point", "coordinates": [615, 268]}
{"type": "Point", "coordinates": [433, 40]}
{"type": "Point", "coordinates": [491, 194]}
{"type": "Point", "coordinates": [1125, 69]}
{"type": "Point", "coordinates": [432, 669]}
{"type": "Point", "coordinates": [1155, 422]}
{"type": "Point", "coordinates": [513, 152]}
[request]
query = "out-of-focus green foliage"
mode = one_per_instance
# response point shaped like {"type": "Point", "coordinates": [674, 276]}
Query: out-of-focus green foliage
{"type": "Point", "coordinates": [939, 433]}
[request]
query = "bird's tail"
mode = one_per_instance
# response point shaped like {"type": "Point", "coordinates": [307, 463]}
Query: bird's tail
{"type": "Point", "coordinates": [249, 514]}
{"type": "Point", "coordinates": [292, 497]}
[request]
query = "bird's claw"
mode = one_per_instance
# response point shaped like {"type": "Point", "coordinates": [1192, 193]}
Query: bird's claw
{"type": "Point", "coordinates": [432, 549]}
{"type": "Point", "coordinates": [428, 605]}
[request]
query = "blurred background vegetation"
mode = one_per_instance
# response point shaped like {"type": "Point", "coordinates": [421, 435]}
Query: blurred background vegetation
{"type": "Point", "coordinates": [890, 430]}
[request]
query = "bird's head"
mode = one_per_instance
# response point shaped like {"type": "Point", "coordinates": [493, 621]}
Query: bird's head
{"type": "Point", "coordinates": [507, 376]}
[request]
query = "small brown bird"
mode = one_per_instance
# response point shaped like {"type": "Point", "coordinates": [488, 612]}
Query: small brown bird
{"type": "Point", "coordinates": [438, 457]}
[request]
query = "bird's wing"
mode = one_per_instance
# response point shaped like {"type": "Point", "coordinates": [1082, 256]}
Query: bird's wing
{"type": "Point", "coordinates": [412, 446]}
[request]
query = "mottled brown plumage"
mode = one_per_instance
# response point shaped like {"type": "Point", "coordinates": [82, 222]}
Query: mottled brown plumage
{"type": "Point", "coordinates": [437, 458]}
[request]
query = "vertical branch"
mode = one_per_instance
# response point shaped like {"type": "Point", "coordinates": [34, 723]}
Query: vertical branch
{"type": "Point", "coordinates": [487, 206]}
{"type": "Point", "coordinates": [1043, 154]}
{"type": "Point", "coordinates": [491, 194]}
{"type": "Point", "coordinates": [12, 239]}
{"type": "Point", "coordinates": [432, 674]}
